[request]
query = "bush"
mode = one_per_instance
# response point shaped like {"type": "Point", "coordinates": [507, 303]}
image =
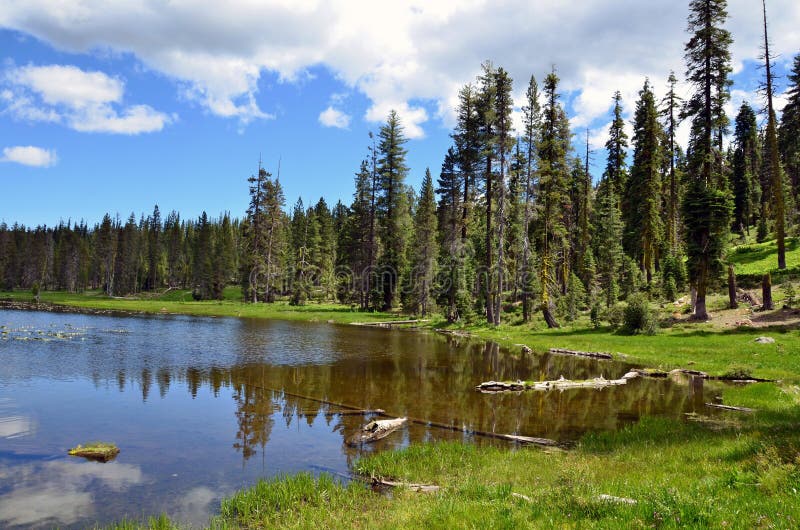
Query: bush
{"type": "Point", "coordinates": [594, 315]}
{"type": "Point", "coordinates": [638, 316]}
{"type": "Point", "coordinates": [615, 314]}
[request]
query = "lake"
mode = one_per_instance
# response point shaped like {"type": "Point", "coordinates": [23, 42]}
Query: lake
{"type": "Point", "coordinates": [202, 407]}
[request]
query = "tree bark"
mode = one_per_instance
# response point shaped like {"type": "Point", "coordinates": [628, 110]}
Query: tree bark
{"type": "Point", "coordinates": [733, 304]}
{"type": "Point", "coordinates": [766, 293]}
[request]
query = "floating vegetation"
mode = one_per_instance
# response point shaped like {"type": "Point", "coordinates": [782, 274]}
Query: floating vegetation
{"type": "Point", "coordinates": [97, 451]}
{"type": "Point", "coordinates": [28, 333]}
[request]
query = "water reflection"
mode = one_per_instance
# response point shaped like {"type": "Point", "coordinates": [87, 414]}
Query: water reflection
{"type": "Point", "coordinates": [203, 407]}
{"type": "Point", "coordinates": [65, 496]}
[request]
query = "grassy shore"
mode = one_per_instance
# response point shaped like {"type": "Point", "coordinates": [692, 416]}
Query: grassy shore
{"type": "Point", "coordinates": [737, 471]}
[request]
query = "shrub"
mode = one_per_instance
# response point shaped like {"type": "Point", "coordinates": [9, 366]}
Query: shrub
{"type": "Point", "coordinates": [638, 317]}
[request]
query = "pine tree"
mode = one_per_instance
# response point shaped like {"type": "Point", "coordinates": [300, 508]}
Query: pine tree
{"type": "Point", "coordinates": [607, 240]}
{"type": "Point", "coordinates": [154, 244]}
{"type": "Point", "coordinates": [772, 159]}
{"type": "Point", "coordinates": [449, 215]}
{"type": "Point", "coordinates": [706, 205]}
{"type": "Point", "coordinates": [643, 227]}
{"type": "Point", "coordinates": [553, 196]}
{"type": "Point", "coordinates": [531, 112]}
{"type": "Point", "coordinates": [487, 112]}
{"type": "Point", "coordinates": [424, 248]}
{"type": "Point", "coordinates": [616, 146]}
{"type": "Point", "coordinates": [392, 206]}
{"type": "Point", "coordinates": [503, 145]}
{"type": "Point", "coordinates": [671, 105]}
{"type": "Point", "coordinates": [745, 166]}
{"type": "Point", "coordinates": [789, 132]}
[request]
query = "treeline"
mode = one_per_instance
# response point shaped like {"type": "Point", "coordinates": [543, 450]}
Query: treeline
{"type": "Point", "coordinates": [512, 219]}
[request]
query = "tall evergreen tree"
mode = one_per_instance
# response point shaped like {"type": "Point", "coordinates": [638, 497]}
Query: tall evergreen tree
{"type": "Point", "coordinates": [553, 194]}
{"type": "Point", "coordinates": [789, 132]}
{"type": "Point", "coordinates": [617, 146]}
{"type": "Point", "coordinates": [532, 117]}
{"type": "Point", "coordinates": [745, 167]}
{"type": "Point", "coordinates": [772, 159]}
{"type": "Point", "coordinates": [670, 110]}
{"type": "Point", "coordinates": [392, 206]}
{"type": "Point", "coordinates": [424, 248]}
{"type": "Point", "coordinates": [643, 227]}
{"type": "Point", "coordinates": [707, 205]}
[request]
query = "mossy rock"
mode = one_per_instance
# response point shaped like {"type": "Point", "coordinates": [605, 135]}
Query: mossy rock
{"type": "Point", "coordinates": [97, 451]}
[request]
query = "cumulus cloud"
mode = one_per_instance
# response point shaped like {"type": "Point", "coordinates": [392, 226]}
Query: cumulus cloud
{"type": "Point", "coordinates": [410, 55]}
{"type": "Point", "coordinates": [84, 101]}
{"type": "Point", "coordinates": [29, 155]}
{"type": "Point", "coordinates": [332, 117]}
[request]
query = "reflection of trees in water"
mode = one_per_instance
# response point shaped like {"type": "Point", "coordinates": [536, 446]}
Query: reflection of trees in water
{"type": "Point", "coordinates": [427, 377]}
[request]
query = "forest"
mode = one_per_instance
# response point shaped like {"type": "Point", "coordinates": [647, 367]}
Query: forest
{"type": "Point", "coordinates": [513, 220]}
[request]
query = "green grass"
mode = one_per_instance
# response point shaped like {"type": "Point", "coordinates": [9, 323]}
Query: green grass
{"type": "Point", "coordinates": [181, 302]}
{"type": "Point", "coordinates": [752, 261]}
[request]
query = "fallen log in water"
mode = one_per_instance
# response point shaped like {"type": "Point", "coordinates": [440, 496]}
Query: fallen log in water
{"type": "Point", "coordinates": [376, 430]}
{"type": "Point", "coordinates": [590, 354]}
{"type": "Point", "coordinates": [729, 407]}
{"type": "Point", "coordinates": [419, 488]}
{"type": "Point", "coordinates": [491, 387]}
{"type": "Point", "coordinates": [364, 412]}
{"type": "Point", "coordinates": [388, 323]}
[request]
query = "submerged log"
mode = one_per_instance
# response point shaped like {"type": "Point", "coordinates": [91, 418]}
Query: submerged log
{"type": "Point", "coordinates": [590, 354]}
{"type": "Point", "coordinates": [378, 412]}
{"type": "Point", "coordinates": [376, 430]}
{"type": "Point", "coordinates": [560, 384]}
{"type": "Point", "coordinates": [532, 440]}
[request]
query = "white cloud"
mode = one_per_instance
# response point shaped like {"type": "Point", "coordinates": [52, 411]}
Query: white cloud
{"type": "Point", "coordinates": [84, 101]}
{"type": "Point", "coordinates": [332, 117]}
{"type": "Point", "coordinates": [409, 55]}
{"type": "Point", "coordinates": [30, 156]}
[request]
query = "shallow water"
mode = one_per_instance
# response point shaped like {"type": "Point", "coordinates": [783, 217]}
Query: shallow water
{"type": "Point", "coordinates": [201, 407]}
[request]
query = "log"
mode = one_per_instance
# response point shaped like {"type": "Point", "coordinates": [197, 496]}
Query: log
{"type": "Point", "coordinates": [532, 440]}
{"type": "Point", "coordinates": [378, 412]}
{"type": "Point", "coordinates": [590, 354]}
{"type": "Point", "coordinates": [560, 384]}
{"type": "Point", "coordinates": [729, 407]}
{"type": "Point", "coordinates": [376, 430]}
{"type": "Point", "coordinates": [389, 323]}
{"type": "Point", "coordinates": [419, 488]}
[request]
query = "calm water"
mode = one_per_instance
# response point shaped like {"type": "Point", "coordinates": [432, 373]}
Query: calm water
{"type": "Point", "coordinates": [201, 407]}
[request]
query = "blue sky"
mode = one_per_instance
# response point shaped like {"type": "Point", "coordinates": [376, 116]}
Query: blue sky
{"type": "Point", "coordinates": [117, 106]}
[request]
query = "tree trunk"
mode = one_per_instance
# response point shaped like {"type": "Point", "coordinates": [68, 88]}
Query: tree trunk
{"type": "Point", "coordinates": [549, 318]}
{"type": "Point", "coordinates": [732, 303]}
{"type": "Point", "coordinates": [766, 293]}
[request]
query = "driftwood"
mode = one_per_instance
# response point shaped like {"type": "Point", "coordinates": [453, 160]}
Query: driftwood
{"type": "Point", "coordinates": [419, 488]}
{"type": "Point", "coordinates": [560, 384]}
{"type": "Point", "coordinates": [376, 430]}
{"type": "Point", "coordinates": [388, 323]}
{"type": "Point", "coordinates": [591, 354]}
{"type": "Point", "coordinates": [378, 412]}
{"type": "Point", "coordinates": [729, 407]}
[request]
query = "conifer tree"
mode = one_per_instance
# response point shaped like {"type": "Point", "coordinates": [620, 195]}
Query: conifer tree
{"type": "Point", "coordinates": [531, 112]}
{"type": "Point", "coordinates": [643, 227]}
{"type": "Point", "coordinates": [392, 206]}
{"type": "Point", "coordinates": [706, 206]}
{"type": "Point", "coordinates": [789, 131]}
{"type": "Point", "coordinates": [424, 248]}
{"type": "Point", "coordinates": [616, 146]}
{"type": "Point", "coordinates": [671, 105]}
{"type": "Point", "coordinates": [745, 167]}
{"type": "Point", "coordinates": [553, 195]}
{"type": "Point", "coordinates": [772, 160]}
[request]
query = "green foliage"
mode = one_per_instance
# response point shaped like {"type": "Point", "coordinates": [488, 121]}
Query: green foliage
{"type": "Point", "coordinates": [638, 315]}
{"type": "Point", "coordinates": [790, 294]}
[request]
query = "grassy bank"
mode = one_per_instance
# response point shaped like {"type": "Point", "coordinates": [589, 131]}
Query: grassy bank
{"type": "Point", "coordinates": [737, 470]}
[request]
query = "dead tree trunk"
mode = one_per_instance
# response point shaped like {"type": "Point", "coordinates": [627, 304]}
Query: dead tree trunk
{"type": "Point", "coordinates": [766, 292]}
{"type": "Point", "coordinates": [733, 304]}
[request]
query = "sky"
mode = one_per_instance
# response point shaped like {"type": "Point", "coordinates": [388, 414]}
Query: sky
{"type": "Point", "coordinates": [116, 106]}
